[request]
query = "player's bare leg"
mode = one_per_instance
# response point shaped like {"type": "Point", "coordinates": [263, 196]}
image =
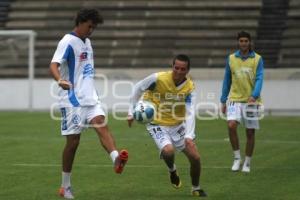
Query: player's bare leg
{"type": "Point", "coordinates": [108, 143]}
{"type": "Point", "coordinates": [250, 134]}
{"type": "Point", "coordinates": [72, 142]}
{"type": "Point", "coordinates": [234, 140]}
{"type": "Point", "coordinates": [105, 137]}
{"type": "Point", "coordinates": [193, 155]}
{"type": "Point", "coordinates": [168, 155]}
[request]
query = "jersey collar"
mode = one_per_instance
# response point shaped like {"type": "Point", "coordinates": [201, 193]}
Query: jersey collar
{"type": "Point", "coordinates": [251, 54]}
{"type": "Point", "coordinates": [74, 34]}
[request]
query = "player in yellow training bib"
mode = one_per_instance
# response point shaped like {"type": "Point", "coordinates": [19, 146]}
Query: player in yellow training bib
{"type": "Point", "coordinates": [173, 127]}
{"type": "Point", "coordinates": [242, 85]}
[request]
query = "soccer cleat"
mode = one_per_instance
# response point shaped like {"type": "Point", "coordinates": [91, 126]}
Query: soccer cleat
{"type": "Point", "coordinates": [120, 161]}
{"type": "Point", "coordinates": [66, 193]}
{"type": "Point", "coordinates": [175, 180]}
{"type": "Point", "coordinates": [199, 193]}
{"type": "Point", "coordinates": [236, 165]}
{"type": "Point", "coordinates": [246, 168]}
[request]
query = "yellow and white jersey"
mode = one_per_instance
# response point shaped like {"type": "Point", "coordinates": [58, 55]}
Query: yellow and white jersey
{"type": "Point", "coordinates": [243, 77]}
{"type": "Point", "coordinates": [174, 104]}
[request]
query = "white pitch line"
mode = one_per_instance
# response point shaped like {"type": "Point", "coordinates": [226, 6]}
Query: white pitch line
{"type": "Point", "coordinates": [137, 166]}
{"type": "Point", "coordinates": [80, 165]}
{"type": "Point", "coordinates": [144, 139]}
{"type": "Point", "coordinates": [258, 141]}
{"type": "Point", "coordinates": [270, 141]}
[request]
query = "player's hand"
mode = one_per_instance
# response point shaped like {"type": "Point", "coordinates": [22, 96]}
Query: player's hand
{"type": "Point", "coordinates": [223, 108]}
{"type": "Point", "coordinates": [66, 85]}
{"type": "Point", "coordinates": [251, 100]}
{"type": "Point", "coordinates": [130, 120]}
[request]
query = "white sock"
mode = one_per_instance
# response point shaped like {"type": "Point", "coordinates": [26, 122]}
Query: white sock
{"type": "Point", "coordinates": [247, 160]}
{"type": "Point", "coordinates": [66, 179]}
{"type": "Point", "coordinates": [237, 154]}
{"type": "Point", "coordinates": [173, 168]}
{"type": "Point", "coordinates": [114, 154]}
{"type": "Point", "coordinates": [195, 187]}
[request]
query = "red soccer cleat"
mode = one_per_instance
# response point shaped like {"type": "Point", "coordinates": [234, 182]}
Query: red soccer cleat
{"type": "Point", "coordinates": [121, 160]}
{"type": "Point", "coordinates": [66, 193]}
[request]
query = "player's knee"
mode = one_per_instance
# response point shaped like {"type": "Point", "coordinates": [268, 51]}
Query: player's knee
{"type": "Point", "coordinates": [168, 150]}
{"type": "Point", "coordinates": [189, 143]}
{"type": "Point", "coordinates": [99, 121]}
{"type": "Point", "coordinates": [192, 152]}
{"type": "Point", "coordinates": [195, 157]}
{"type": "Point", "coordinates": [232, 124]}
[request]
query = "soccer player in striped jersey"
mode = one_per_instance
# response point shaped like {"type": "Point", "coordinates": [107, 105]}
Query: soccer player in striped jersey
{"type": "Point", "coordinates": [241, 97]}
{"type": "Point", "coordinates": [173, 128]}
{"type": "Point", "coordinates": [72, 66]}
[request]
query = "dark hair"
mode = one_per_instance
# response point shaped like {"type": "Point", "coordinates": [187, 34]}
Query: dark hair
{"type": "Point", "coordinates": [184, 58]}
{"type": "Point", "coordinates": [86, 14]}
{"type": "Point", "coordinates": [243, 34]}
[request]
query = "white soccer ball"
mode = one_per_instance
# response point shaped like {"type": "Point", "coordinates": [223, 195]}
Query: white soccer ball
{"type": "Point", "coordinates": [144, 112]}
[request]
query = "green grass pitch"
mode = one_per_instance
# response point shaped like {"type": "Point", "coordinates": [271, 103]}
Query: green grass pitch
{"type": "Point", "coordinates": [30, 158]}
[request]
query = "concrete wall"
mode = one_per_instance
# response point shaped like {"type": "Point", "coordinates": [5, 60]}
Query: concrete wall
{"type": "Point", "coordinates": [277, 94]}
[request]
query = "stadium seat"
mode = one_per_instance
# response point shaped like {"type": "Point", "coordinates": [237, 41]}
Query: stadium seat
{"type": "Point", "coordinates": [144, 33]}
{"type": "Point", "coordinates": [289, 56]}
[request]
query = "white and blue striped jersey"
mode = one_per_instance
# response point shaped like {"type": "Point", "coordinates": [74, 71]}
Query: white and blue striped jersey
{"type": "Point", "coordinates": [75, 57]}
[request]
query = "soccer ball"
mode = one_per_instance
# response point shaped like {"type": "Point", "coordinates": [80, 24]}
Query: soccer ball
{"type": "Point", "coordinates": [144, 112]}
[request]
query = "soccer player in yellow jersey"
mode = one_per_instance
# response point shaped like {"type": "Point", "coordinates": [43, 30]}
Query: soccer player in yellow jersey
{"type": "Point", "coordinates": [240, 97]}
{"type": "Point", "coordinates": [173, 128]}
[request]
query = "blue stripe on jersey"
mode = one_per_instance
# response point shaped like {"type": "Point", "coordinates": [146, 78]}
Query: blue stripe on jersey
{"type": "Point", "coordinates": [258, 79]}
{"type": "Point", "coordinates": [69, 56]}
{"type": "Point", "coordinates": [188, 99]}
{"type": "Point", "coordinates": [226, 83]}
{"type": "Point", "coordinates": [64, 119]}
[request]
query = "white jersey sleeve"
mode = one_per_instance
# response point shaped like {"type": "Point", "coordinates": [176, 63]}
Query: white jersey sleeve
{"type": "Point", "coordinates": [190, 116]}
{"type": "Point", "coordinates": [59, 55]}
{"type": "Point", "coordinates": [138, 90]}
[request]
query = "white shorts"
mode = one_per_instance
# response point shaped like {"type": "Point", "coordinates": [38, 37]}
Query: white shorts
{"type": "Point", "coordinates": [76, 119]}
{"type": "Point", "coordinates": [244, 113]}
{"type": "Point", "coordinates": [164, 135]}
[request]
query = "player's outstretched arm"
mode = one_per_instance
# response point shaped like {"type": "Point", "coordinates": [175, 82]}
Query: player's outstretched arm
{"type": "Point", "coordinates": [138, 90]}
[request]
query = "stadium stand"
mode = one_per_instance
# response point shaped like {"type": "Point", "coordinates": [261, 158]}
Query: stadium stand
{"type": "Point", "coordinates": [141, 33]}
{"type": "Point", "coordinates": [147, 34]}
{"type": "Point", "coordinates": [289, 56]}
{"type": "Point", "coordinates": [4, 8]}
{"type": "Point", "coordinates": [272, 24]}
